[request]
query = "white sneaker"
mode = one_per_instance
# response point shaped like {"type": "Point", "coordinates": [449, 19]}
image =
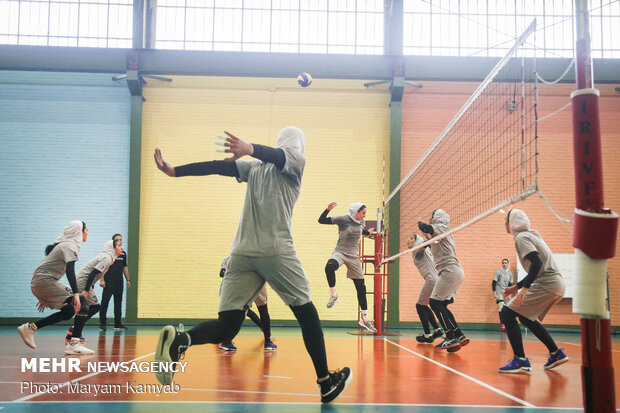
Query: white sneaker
{"type": "Point", "coordinates": [75, 347]}
{"type": "Point", "coordinates": [368, 325]}
{"type": "Point", "coordinates": [27, 332]}
{"type": "Point", "coordinates": [332, 301]}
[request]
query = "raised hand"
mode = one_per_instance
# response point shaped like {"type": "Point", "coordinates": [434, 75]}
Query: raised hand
{"type": "Point", "coordinates": [331, 206]}
{"type": "Point", "coordinates": [162, 165]}
{"type": "Point", "coordinates": [237, 147]}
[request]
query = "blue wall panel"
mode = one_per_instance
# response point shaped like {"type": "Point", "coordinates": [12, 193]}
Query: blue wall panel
{"type": "Point", "coordinates": [64, 156]}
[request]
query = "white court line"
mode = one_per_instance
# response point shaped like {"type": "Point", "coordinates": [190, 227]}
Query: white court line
{"type": "Point", "coordinates": [481, 383]}
{"type": "Point", "coordinates": [264, 392]}
{"type": "Point", "coordinates": [30, 396]}
{"type": "Point", "coordinates": [190, 402]}
{"type": "Point", "coordinates": [579, 345]}
{"type": "Point", "coordinates": [278, 377]}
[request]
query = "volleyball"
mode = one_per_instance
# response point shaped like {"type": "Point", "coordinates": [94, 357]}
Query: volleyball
{"type": "Point", "coordinates": [304, 79]}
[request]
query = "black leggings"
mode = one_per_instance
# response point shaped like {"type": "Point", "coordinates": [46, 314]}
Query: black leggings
{"type": "Point", "coordinates": [226, 327]}
{"type": "Point", "coordinates": [508, 317]}
{"type": "Point", "coordinates": [330, 272]}
{"type": "Point", "coordinates": [66, 312]}
{"type": "Point", "coordinates": [92, 310]}
{"type": "Point", "coordinates": [446, 318]}
{"type": "Point", "coordinates": [426, 317]}
{"type": "Point", "coordinates": [360, 287]}
{"type": "Point", "coordinates": [222, 330]}
{"type": "Point", "coordinates": [112, 289]}
{"type": "Point", "coordinates": [265, 320]}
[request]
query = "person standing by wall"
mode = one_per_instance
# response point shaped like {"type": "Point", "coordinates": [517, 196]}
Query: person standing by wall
{"type": "Point", "coordinates": [113, 285]}
{"type": "Point", "coordinates": [501, 280]}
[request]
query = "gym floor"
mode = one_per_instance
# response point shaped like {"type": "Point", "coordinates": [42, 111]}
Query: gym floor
{"type": "Point", "coordinates": [391, 374]}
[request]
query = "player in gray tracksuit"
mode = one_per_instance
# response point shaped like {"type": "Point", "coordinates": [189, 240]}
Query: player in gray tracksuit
{"type": "Point", "coordinates": [423, 260]}
{"type": "Point", "coordinates": [537, 293]}
{"type": "Point", "coordinates": [501, 279]}
{"type": "Point", "coordinates": [262, 251]}
{"type": "Point", "coordinates": [450, 278]}
{"type": "Point", "coordinates": [350, 230]}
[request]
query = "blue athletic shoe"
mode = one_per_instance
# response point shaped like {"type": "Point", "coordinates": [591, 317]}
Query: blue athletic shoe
{"type": "Point", "coordinates": [556, 359]}
{"type": "Point", "coordinates": [517, 365]}
{"type": "Point", "coordinates": [270, 346]}
{"type": "Point", "coordinates": [228, 346]}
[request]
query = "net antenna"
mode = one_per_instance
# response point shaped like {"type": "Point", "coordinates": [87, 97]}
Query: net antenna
{"type": "Point", "coordinates": [484, 160]}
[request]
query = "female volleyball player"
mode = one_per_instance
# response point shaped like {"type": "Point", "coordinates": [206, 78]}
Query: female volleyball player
{"type": "Point", "coordinates": [262, 252]}
{"type": "Point", "coordinates": [450, 278]}
{"type": "Point", "coordinates": [263, 322]}
{"type": "Point", "coordinates": [537, 293]}
{"type": "Point", "coordinates": [347, 252]}
{"type": "Point", "coordinates": [501, 280]}
{"type": "Point", "coordinates": [60, 258]}
{"type": "Point", "coordinates": [87, 276]}
{"type": "Point", "coordinates": [423, 259]}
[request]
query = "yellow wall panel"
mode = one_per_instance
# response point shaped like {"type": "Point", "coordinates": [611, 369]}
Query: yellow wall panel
{"type": "Point", "coordinates": [187, 224]}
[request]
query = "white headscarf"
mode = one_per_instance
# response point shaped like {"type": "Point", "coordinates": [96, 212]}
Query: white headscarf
{"type": "Point", "coordinates": [73, 233]}
{"type": "Point", "coordinates": [108, 248]}
{"type": "Point", "coordinates": [353, 210]}
{"type": "Point", "coordinates": [418, 241]}
{"type": "Point", "coordinates": [440, 217]}
{"type": "Point", "coordinates": [291, 137]}
{"type": "Point", "coordinates": [518, 222]}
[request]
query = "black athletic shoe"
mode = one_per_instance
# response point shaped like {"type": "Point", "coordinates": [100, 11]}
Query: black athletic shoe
{"type": "Point", "coordinates": [120, 328]}
{"type": "Point", "coordinates": [424, 339]}
{"type": "Point", "coordinates": [333, 387]}
{"type": "Point", "coordinates": [170, 349]}
{"type": "Point", "coordinates": [438, 334]}
{"type": "Point", "coordinates": [463, 341]}
{"type": "Point", "coordinates": [102, 327]}
{"type": "Point", "coordinates": [451, 345]}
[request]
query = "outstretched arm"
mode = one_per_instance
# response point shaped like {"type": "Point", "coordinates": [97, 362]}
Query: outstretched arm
{"type": "Point", "coordinates": [196, 169]}
{"type": "Point", "coordinates": [323, 219]}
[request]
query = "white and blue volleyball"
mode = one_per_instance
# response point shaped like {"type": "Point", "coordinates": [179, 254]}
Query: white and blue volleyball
{"type": "Point", "coordinates": [304, 79]}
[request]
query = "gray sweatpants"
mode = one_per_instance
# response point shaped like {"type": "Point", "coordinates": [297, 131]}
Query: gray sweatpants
{"type": "Point", "coordinates": [354, 265]}
{"type": "Point", "coordinates": [246, 276]}
{"type": "Point", "coordinates": [51, 293]}
{"type": "Point", "coordinates": [450, 279]}
{"type": "Point", "coordinates": [541, 296]}
{"type": "Point", "coordinates": [427, 289]}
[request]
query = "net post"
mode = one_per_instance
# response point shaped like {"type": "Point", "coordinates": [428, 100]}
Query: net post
{"type": "Point", "coordinates": [378, 278]}
{"type": "Point", "coordinates": [594, 233]}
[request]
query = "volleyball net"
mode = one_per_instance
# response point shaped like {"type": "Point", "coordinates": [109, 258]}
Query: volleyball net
{"type": "Point", "coordinates": [485, 158]}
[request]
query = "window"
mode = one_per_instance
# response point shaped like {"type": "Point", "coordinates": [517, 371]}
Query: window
{"type": "Point", "coordinates": [81, 23]}
{"type": "Point", "coordinates": [489, 27]}
{"type": "Point", "coordinates": [286, 26]}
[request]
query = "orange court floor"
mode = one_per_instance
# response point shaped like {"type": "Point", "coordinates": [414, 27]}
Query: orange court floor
{"type": "Point", "coordinates": [390, 374]}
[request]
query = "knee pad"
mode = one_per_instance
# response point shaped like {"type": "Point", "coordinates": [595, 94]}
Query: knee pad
{"type": "Point", "coordinates": [67, 311]}
{"type": "Point", "coordinates": [331, 266]}
{"type": "Point", "coordinates": [526, 321]}
{"type": "Point", "coordinates": [359, 283]}
{"type": "Point", "coordinates": [436, 305]}
{"type": "Point", "coordinates": [309, 321]}
{"type": "Point", "coordinates": [420, 308]}
{"type": "Point", "coordinates": [84, 304]}
{"type": "Point", "coordinates": [507, 316]}
{"type": "Point", "coordinates": [231, 323]}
